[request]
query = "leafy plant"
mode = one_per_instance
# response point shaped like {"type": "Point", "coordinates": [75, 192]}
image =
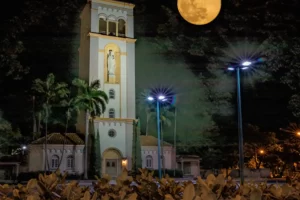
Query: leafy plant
{"type": "Point", "coordinates": [145, 187]}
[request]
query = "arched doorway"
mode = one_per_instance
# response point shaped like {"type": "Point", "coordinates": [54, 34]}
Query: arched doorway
{"type": "Point", "coordinates": [112, 164]}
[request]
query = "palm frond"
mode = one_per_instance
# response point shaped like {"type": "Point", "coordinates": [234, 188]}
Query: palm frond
{"type": "Point", "coordinates": [95, 84]}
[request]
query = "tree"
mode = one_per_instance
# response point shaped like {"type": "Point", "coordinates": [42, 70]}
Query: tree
{"type": "Point", "coordinates": [8, 137]}
{"type": "Point", "coordinates": [93, 101]}
{"type": "Point", "coordinates": [191, 101]}
{"type": "Point", "coordinates": [49, 93]}
{"type": "Point", "coordinates": [70, 105]}
{"type": "Point", "coordinates": [257, 145]}
{"type": "Point", "coordinates": [98, 163]}
{"type": "Point", "coordinates": [136, 147]}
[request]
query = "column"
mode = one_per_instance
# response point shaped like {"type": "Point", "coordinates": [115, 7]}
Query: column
{"type": "Point", "coordinates": [17, 169]}
{"type": "Point", "coordinates": [182, 165]}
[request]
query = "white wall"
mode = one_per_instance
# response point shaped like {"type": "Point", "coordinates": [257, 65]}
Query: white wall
{"type": "Point", "coordinates": [36, 157]}
{"type": "Point", "coordinates": [152, 151]}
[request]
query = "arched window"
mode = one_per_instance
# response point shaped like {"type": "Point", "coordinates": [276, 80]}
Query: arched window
{"type": "Point", "coordinates": [149, 161]}
{"type": "Point", "coordinates": [102, 26]}
{"type": "Point", "coordinates": [111, 94]}
{"type": "Point", "coordinates": [111, 113]}
{"type": "Point", "coordinates": [70, 162]}
{"type": "Point", "coordinates": [121, 28]}
{"type": "Point", "coordinates": [112, 28]}
{"type": "Point", "coordinates": [54, 161]}
{"type": "Point", "coordinates": [112, 133]}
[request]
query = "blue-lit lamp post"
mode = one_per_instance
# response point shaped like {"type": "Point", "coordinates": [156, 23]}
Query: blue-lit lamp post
{"type": "Point", "coordinates": [158, 99]}
{"type": "Point", "coordinates": [243, 66]}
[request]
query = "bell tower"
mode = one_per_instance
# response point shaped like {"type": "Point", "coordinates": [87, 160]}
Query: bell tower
{"type": "Point", "coordinates": [107, 53]}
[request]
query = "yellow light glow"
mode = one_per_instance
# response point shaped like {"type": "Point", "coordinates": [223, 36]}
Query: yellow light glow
{"type": "Point", "coordinates": [261, 151]}
{"type": "Point", "coordinates": [124, 162]}
{"type": "Point", "coordinates": [199, 12]}
{"type": "Point", "coordinates": [298, 133]}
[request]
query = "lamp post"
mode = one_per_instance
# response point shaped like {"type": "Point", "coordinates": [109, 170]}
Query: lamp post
{"type": "Point", "coordinates": [23, 149]}
{"type": "Point", "coordinates": [243, 66]}
{"type": "Point", "coordinates": [158, 99]}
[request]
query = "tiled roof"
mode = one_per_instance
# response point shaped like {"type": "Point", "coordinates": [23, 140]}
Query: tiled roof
{"type": "Point", "coordinates": [148, 140]}
{"type": "Point", "coordinates": [58, 138]}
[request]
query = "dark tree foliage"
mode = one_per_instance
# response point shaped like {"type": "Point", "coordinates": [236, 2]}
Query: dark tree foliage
{"type": "Point", "coordinates": [36, 38]}
{"type": "Point", "coordinates": [244, 28]}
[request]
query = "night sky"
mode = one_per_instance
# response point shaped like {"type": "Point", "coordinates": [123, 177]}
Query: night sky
{"type": "Point", "coordinates": [51, 46]}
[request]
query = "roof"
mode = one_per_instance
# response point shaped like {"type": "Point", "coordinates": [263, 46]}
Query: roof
{"type": "Point", "coordinates": [58, 138]}
{"type": "Point", "coordinates": [188, 156]}
{"type": "Point", "coordinates": [148, 140]}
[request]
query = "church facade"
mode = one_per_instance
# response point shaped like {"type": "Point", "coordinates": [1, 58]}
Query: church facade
{"type": "Point", "coordinates": [107, 53]}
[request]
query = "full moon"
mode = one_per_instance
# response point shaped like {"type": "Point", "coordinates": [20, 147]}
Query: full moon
{"type": "Point", "coordinates": [199, 12]}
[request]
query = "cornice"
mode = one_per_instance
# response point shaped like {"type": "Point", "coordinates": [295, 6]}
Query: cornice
{"type": "Point", "coordinates": [117, 3]}
{"type": "Point", "coordinates": [112, 120]}
{"type": "Point", "coordinates": [127, 40]}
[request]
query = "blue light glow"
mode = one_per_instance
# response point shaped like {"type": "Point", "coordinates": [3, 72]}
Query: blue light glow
{"type": "Point", "coordinates": [161, 97]}
{"type": "Point", "coordinates": [246, 63]}
{"type": "Point", "coordinates": [150, 98]}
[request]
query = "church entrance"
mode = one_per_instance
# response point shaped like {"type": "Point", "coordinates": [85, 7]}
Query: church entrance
{"type": "Point", "coordinates": [112, 164]}
{"type": "Point", "coordinates": [111, 167]}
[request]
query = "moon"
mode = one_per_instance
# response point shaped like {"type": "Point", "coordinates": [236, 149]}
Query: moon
{"type": "Point", "coordinates": [199, 12]}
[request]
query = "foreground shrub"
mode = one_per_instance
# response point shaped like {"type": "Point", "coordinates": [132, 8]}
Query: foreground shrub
{"type": "Point", "coordinates": [145, 187]}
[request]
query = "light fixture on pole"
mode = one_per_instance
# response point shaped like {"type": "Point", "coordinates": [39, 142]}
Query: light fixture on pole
{"type": "Point", "coordinates": [243, 66]}
{"type": "Point", "coordinates": [23, 149]}
{"type": "Point", "coordinates": [159, 98]}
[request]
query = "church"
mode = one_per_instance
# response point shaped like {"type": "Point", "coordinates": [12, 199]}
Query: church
{"type": "Point", "coordinates": [106, 53]}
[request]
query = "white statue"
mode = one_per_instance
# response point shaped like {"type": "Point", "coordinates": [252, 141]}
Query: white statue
{"type": "Point", "coordinates": [111, 63]}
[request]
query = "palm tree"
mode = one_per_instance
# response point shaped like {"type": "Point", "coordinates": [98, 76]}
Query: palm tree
{"type": "Point", "coordinates": [93, 101]}
{"type": "Point", "coordinates": [49, 92]}
{"type": "Point", "coordinates": [165, 120]}
{"type": "Point", "coordinates": [71, 106]}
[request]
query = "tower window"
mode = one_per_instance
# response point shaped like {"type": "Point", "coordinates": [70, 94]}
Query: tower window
{"type": "Point", "coordinates": [112, 27]}
{"type": "Point", "coordinates": [102, 26]}
{"type": "Point", "coordinates": [112, 133]}
{"type": "Point", "coordinates": [121, 28]}
{"type": "Point", "coordinates": [111, 113]}
{"type": "Point", "coordinates": [111, 94]}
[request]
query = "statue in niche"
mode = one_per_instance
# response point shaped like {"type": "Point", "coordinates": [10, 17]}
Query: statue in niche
{"type": "Point", "coordinates": [111, 63]}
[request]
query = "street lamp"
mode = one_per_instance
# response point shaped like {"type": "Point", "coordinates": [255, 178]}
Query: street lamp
{"type": "Point", "coordinates": [261, 151]}
{"type": "Point", "coordinates": [242, 66]}
{"type": "Point", "coordinates": [23, 149]}
{"type": "Point", "coordinates": [159, 98]}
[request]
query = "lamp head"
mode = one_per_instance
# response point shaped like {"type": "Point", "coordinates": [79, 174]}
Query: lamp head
{"type": "Point", "coordinates": [161, 97]}
{"type": "Point", "coordinates": [150, 98]}
{"type": "Point", "coordinates": [230, 68]}
{"type": "Point", "coordinates": [246, 63]}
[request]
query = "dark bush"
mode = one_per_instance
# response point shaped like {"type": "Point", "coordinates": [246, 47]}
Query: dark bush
{"type": "Point", "coordinates": [170, 172]}
{"type": "Point", "coordinates": [26, 176]}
